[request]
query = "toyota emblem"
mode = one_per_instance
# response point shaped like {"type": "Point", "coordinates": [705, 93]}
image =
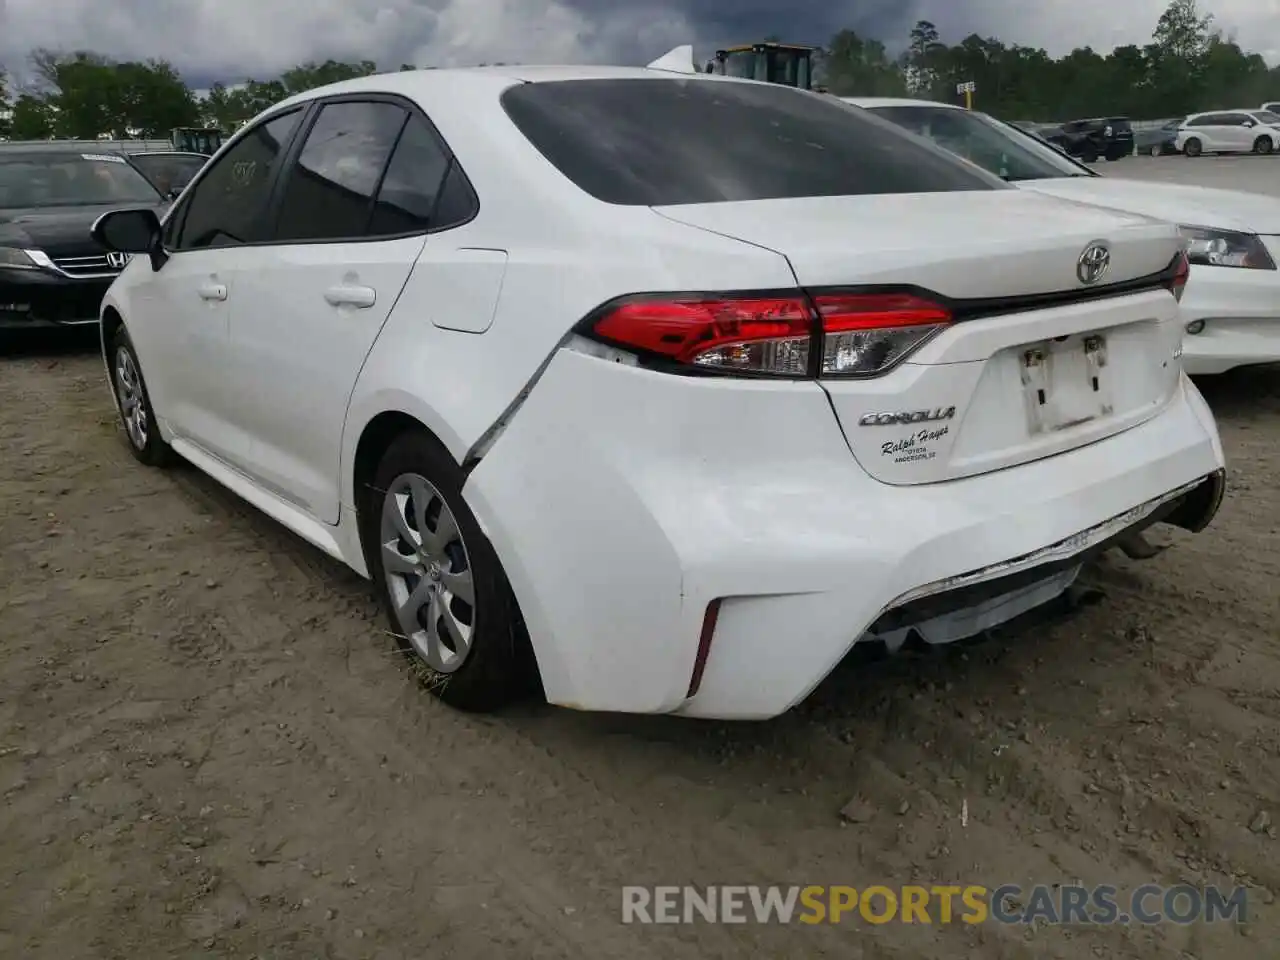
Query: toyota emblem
{"type": "Point", "coordinates": [1093, 263]}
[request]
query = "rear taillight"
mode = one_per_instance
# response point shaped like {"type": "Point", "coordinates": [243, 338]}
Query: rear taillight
{"type": "Point", "coordinates": [755, 335]}
{"type": "Point", "coordinates": [866, 334]}
{"type": "Point", "coordinates": [837, 334]}
{"type": "Point", "coordinates": [1181, 271]}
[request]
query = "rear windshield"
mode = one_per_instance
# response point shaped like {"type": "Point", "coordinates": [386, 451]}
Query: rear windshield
{"type": "Point", "coordinates": [655, 142]}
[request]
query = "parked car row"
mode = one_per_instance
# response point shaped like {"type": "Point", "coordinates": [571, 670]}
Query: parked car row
{"type": "Point", "coordinates": [656, 391]}
{"type": "Point", "coordinates": [1214, 132]}
{"type": "Point", "coordinates": [1232, 306]}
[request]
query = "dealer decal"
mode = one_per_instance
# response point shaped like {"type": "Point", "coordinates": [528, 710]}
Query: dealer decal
{"type": "Point", "coordinates": [104, 157]}
{"type": "Point", "coordinates": [915, 447]}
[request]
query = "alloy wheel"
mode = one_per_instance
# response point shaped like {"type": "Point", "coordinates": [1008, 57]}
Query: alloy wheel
{"type": "Point", "coordinates": [130, 392]}
{"type": "Point", "coordinates": [428, 572]}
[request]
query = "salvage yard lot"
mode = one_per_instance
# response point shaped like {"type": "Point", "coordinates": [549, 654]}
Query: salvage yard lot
{"type": "Point", "coordinates": [209, 747]}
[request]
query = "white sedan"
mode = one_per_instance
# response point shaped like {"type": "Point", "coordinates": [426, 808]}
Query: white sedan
{"type": "Point", "coordinates": [1231, 310]}
{"type": "Point", "coordinates": [661, 389]}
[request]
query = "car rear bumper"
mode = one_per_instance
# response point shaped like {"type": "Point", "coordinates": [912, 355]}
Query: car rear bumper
{"type": "Point", "coordinates": [33, 300]}
{"type": "Point", "coordinates": [1240, 311]}
{"type": "Point", "coordinates": [624, 508]}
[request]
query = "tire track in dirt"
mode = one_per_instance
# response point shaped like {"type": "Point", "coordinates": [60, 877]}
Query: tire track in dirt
{"type": "Point", "coordinates": [243, 673]}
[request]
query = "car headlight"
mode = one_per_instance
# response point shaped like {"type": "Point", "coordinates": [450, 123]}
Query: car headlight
{"type": "Point", "coordinates": [1226, 248]}
{"type": "Point", "coordinates": [12, 258]}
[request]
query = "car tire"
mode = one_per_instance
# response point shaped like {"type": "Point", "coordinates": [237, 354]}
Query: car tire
{"type": "Point", "coordinates": [1192, 148]}
{"type": "Point", "coordinates": [1088, 155]}
{"type": "Point", "coordinates": [474, 655]}
{"type": "Point", "coordinates": [1263, 145]}
{"type": "Point", "coordinates": [133, 403]}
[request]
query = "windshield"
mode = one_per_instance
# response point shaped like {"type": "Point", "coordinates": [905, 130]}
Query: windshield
{"type": "Point", "coordinates": [70, 180]}
{"type": "Point", "coordinates": [655, 142]}
{"type": "Point", "coordinates": [166, 171]}
{"type": "Point", "coordinates": [1267, 117]}
{"type": "Point", "coordinates": [997, 147]}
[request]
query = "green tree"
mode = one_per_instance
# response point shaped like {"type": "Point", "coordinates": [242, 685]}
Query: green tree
{"type": "Point", "coordinates": [91, 95]}
{"type": "Point", "coordinates": [852, 65]}
{"type": "Point", "coordinates": [1182, 32]}
{"type": "Point", "coordinates": [6, 108]}
{"type": "Point", "coordinates": [33, 118]}
{"type": "Point", "coordinates": [153, 99]}
{"type": "Point", "coordinates": [308, 76]}
{"type": "Point", "coordinates": [922, 58]}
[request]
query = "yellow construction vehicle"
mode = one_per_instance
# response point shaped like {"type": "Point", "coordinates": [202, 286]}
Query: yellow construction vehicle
{"type": "Point", "coordinates": [790, 64]}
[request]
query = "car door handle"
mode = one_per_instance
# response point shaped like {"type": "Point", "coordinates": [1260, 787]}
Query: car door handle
{"type": "Point", "coordinates": [213, 291]}
{"type": "Point", "coordinates": [351, 296]}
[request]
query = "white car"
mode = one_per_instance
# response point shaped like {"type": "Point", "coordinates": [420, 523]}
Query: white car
{"type": "Point", "coordinates": [664, 389]}
{"type": "Point", "coordinates": [1229, 131]}
{"type": "Point", "coordinates": [1231, 310]}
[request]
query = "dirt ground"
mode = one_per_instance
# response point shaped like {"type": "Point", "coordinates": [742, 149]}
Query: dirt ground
{"type": "Point", "coordinates": [209, 748]}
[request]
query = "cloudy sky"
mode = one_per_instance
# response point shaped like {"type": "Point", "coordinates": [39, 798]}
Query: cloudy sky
{"type": "Point", "coordinates": [232, 39]}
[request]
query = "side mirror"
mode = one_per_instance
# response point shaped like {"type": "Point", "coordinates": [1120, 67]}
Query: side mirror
{"type": "Point", "coordinates": [174, 193]}
{"type": "Point", "coordinates": [1248, 123]}
{"type": "Point", "coordinates": [130, 231]}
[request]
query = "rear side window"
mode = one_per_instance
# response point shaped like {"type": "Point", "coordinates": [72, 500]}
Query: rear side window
{"type": "Point", "coordinates": [408, 201]}
{"type": "Point", "coordinates": [654, 142]}
{"type": "Point", "coordinates": [330, 189]}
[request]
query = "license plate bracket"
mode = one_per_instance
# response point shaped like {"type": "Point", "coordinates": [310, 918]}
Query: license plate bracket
{"type": "Point", "coordinates": [1065, 382]}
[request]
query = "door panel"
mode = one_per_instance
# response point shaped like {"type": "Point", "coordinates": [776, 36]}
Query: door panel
{"type": "Point", "coordinates": [187, 305]}
{"type": "Point", "coordinates": [315, 312]}
{"type": "Point", "coordinates": [354, 212]}
{"type": "Point", "coordinates": [182, 336]}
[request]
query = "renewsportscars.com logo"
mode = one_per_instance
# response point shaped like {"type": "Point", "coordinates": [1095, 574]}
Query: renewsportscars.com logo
{"type": "Point", "coordinates": [936, 904]}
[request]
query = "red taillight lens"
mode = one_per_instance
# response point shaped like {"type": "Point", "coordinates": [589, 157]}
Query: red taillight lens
{"type": "Point", "coordinates": [851, 334]}
{"type": "Point", "coordinates": [866, 334]}
{"type": "Point", "coordinates": [758, 335]}
{"type": "Point", "coordinates": [1180, 274]}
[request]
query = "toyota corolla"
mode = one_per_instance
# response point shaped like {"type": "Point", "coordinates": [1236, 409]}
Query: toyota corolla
{"type": "Point", "coordinates": [661, 389]}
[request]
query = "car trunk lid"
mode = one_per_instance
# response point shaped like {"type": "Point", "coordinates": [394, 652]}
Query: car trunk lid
{"type": "Point", "coordinates": [1036, 363]}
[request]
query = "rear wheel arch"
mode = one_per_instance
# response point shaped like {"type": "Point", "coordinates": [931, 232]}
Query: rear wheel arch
{"type": "Point", "coordinates": [386, 435]}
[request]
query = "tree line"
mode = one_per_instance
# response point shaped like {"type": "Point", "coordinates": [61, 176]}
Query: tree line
{"type": "Point", "coordinates": [1187, 66]}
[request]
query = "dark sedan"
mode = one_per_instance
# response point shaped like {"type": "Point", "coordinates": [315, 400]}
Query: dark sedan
{"type": "Point", "coordinates": [1160, 141]}
{"type": "Point", "coordinates": [52, 272]}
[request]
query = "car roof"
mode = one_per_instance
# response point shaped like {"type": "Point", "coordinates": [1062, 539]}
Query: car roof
{"type": "Point", "coordinates": [482, 81]}
{"type": "Point", "coordinates": [869, 102]}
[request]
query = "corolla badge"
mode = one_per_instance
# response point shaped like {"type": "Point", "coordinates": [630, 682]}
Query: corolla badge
{"type": "Point", "coordinates": [117, 261]}
{"type": "Point", "coordinates": [1093, 263]}
{"type": "Point", "coordinates": [894, 418]}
